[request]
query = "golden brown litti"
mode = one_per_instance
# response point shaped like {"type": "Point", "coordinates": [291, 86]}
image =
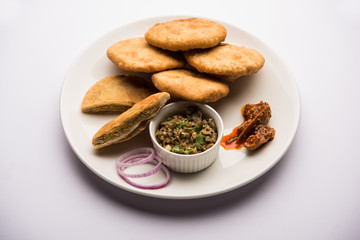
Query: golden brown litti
{"type": "Point", "coordinates": [185, 34]}
{"type": "Point", "coordinates": [131, 122]}
{"type": "Point", "coordinates": [115, 94]}
{"type": "Point", "coordinates": [226, 61]}
{"type": "Point", "coordinates": [136, 55]}
{"type": "Point", "coordinates": [190, 85]}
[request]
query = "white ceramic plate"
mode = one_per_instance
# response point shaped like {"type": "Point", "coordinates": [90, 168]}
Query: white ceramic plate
{"type": "Point", "coordinates": [274, 84]}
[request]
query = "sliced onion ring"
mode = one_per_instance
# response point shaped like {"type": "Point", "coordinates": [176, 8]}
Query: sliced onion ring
{"type": "Point", "coordinates": [120, 169]}
{"type": "Point", "coordinates": [155, 186]}
{"type": "Point", "coordinates": [137, 157]}
{"type": "Point", "coordinates": [147, 153]}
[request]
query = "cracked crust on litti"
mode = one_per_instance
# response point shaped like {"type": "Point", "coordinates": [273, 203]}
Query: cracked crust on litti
{"type": "Point", "coordinates": [136, 55]}
{"type": "Point", "coordinates": [226, 61]}
{"type": "Point", "coordinates": [185, 34]}
{"type": "Point", "coordinates": [190, 85]}
{"type": "Point", "coordinates": [131, 122]}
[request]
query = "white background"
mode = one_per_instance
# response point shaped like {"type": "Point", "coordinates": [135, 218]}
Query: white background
{"type": "Point", "coordinates": [312, 193]}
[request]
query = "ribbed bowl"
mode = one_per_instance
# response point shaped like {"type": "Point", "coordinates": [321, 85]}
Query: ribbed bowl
{"type": "Point", "coordinates": [180, 162]}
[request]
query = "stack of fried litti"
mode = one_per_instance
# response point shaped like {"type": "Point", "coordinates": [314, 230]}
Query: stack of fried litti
{"type": "Point", "coordinates": [186, 59]}
{"type": "Point", "coordinates": [200, 41]}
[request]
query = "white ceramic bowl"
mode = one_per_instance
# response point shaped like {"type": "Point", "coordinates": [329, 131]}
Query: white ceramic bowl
{"type": "Point", "coordinates": [182, 162]}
